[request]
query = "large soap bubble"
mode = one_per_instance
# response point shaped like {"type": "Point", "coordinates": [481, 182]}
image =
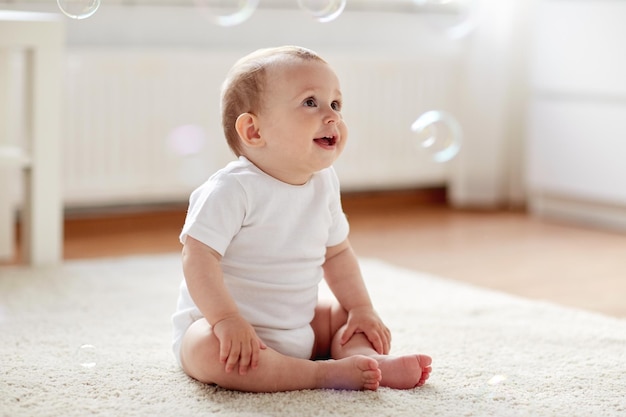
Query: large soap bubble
{"type": "Point", "coordinates": [78, 9]}
{"type": "Point", "coordinates": [323, 10]}
{"type": "Point", "coordinates": [227, 12]}
{"type": "Point", "coordinates": [439, 134]}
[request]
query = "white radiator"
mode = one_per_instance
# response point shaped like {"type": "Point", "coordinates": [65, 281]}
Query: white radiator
{"type": "Point", "coordinates": [122, 106]}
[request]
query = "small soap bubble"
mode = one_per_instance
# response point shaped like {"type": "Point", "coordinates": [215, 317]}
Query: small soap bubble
{"type": "Point", "coordinates": [87, 356]}
{"type": "Point", "coordinates": [498, 390]}
{"type": "Point", "coordinates": [439, 134]}
{"type": "Point", "coordinates": [78, 9]}
{"type": "Point", "coordinates": [227, 12]}
{"type": "Point", "coordinates": [323, 10]}
{"type": "Point", "coordinates": [187, 140]}
{"type": "Point", "coordinates": [498, 397]}
{"type": "Point", "coordinates": [496, 379]}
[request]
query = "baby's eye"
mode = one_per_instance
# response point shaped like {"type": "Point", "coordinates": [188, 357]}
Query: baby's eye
{"type": "Point", "coordinates": [310, 102]}
{"type": "Point", "coordinates": [336, 106]}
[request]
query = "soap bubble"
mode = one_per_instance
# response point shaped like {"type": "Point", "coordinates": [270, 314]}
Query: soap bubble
{"type": "Point", "coordinates": [498, 390]}
{"type": "Point", "coordinates": [78, 9]}
{"type": "Point", "coordinates": [499, 397]}
{"type": "Point", "coordinates": [189, 142]}
{"type": "Point", "coordinates": [323, 10]}
{"type": "Point", "coordinates": [496, 380]}
{"type": "Point", "coordinates": [455, 18]}
{"type": "Point", "coordinates": [439, 134]}
{"type": "Point", "coordinates": [227, 12]}
{"type": "Point", "coordinates": [187, 139]}
{"type": "Point", "coordinates": [87, 356]}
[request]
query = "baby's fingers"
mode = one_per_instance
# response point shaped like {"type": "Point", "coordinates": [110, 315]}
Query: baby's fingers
{"type": "Point", "coordinates": [224, 351]}
{"type": "Point", "coordinates": [233, 357]}
{"type": "Point", "coordinates": [380, 339]}
{"type": "Point", "coordinates": [249, 356]}
{"type": "Point", "coordinates": [377, 342]}
{"type": "Point", "coordinates": [384, 346]}
{"type": "Point", "coordinates": [387, 341]}
{"type": "Point", "coordinates": [348, 332]}
{"type": "Point", "coordinates": [254, 359]}
{"type": "Point", "coordinates": [245, 359]}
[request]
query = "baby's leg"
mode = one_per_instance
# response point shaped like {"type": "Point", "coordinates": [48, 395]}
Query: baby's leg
{"type": "Point", "coordinates": [276, 372]}
{"type": "Point", "coordinates": [400, 372]}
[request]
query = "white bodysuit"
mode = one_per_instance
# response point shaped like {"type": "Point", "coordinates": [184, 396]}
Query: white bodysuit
{"type": "Point", "coordinates": [273, 238]}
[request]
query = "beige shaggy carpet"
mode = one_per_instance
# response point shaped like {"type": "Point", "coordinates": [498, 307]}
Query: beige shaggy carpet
{"type": "Point", "coordinates": [92, 338]}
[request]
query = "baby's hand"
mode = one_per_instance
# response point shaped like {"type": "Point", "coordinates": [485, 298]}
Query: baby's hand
{"type": "Point", "coordinates": [239, 344]}
{"type": "Point", "coordinates": [365, 320]}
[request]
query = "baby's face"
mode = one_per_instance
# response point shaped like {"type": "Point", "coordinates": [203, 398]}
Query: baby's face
{"type": "Point", "coordinates": [300, 120]}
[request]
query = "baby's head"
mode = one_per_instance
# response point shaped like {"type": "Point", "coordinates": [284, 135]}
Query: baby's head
{"type": "Point", "coordinates": [244, 87]}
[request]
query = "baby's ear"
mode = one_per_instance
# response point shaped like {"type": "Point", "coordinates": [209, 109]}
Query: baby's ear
{"type": "Point", "coordinates": [246, 126]}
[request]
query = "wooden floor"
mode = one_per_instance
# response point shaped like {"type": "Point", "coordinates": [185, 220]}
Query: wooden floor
{"type": "Point", "coordinates": [502, 250]}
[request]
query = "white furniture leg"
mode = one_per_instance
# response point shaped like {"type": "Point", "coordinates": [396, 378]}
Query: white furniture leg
{"type": "Point", "coordinates": [42, 37]}
{"type": "Point", "coordinates": [7, 233]}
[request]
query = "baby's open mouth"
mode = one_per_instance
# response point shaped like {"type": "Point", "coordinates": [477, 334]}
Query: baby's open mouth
{"type": "Point", "coordinates": [326, 141]}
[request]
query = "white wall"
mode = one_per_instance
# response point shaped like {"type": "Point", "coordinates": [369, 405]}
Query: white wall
{"type": "Point", "coordinates": [577, 121]}
{"type": "Point", "coordinates": [490, 83]}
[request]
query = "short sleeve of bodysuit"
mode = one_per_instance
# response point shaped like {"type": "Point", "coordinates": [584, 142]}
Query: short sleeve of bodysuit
{"type": "Point", "coordinates": [216, 212]}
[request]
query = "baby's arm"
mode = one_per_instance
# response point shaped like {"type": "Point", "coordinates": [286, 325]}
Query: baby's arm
{"type": "Point", "coordinates": [239, 344]}
{"type": "Point", "coordinates": [343, 275]}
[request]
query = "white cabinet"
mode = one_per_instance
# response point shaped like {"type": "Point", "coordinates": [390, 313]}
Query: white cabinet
{"type": "Point", "coordinates": [576, 132]}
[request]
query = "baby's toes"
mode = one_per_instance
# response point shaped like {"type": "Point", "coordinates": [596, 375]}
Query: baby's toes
{"type": "Point", "coordinates": [371, 380]}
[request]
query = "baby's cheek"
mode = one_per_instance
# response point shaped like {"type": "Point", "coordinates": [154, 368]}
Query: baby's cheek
{"type": "Point", "coordinates": [343, 130]}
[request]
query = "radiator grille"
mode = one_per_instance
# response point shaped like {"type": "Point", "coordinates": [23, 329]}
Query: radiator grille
{"type": "Point", "coordinates": [122, 105]}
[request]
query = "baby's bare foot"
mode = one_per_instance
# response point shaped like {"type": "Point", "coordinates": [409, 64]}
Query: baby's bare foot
{"type": "Point", "coordinates": [352, 373]}
{"type": "Point", "coordinates": [404, 372]}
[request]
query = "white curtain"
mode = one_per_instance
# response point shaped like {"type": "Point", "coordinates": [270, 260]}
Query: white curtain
{"type": "Point", "coordinates": [488, 172]}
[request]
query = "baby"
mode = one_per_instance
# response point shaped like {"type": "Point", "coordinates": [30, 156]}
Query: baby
{"type": "Point", "coordinates": [262, 233]}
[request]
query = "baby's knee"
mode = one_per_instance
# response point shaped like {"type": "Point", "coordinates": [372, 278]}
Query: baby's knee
{"type": "Point", "coordinates": [199, 353]}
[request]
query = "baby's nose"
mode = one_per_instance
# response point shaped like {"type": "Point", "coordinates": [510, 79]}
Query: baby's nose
{"type": "Point", "coordinates": [332, 116]}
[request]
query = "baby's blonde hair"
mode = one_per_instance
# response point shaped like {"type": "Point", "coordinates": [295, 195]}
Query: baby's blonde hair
{"type": "Point", "coordinates": [244, 85]}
